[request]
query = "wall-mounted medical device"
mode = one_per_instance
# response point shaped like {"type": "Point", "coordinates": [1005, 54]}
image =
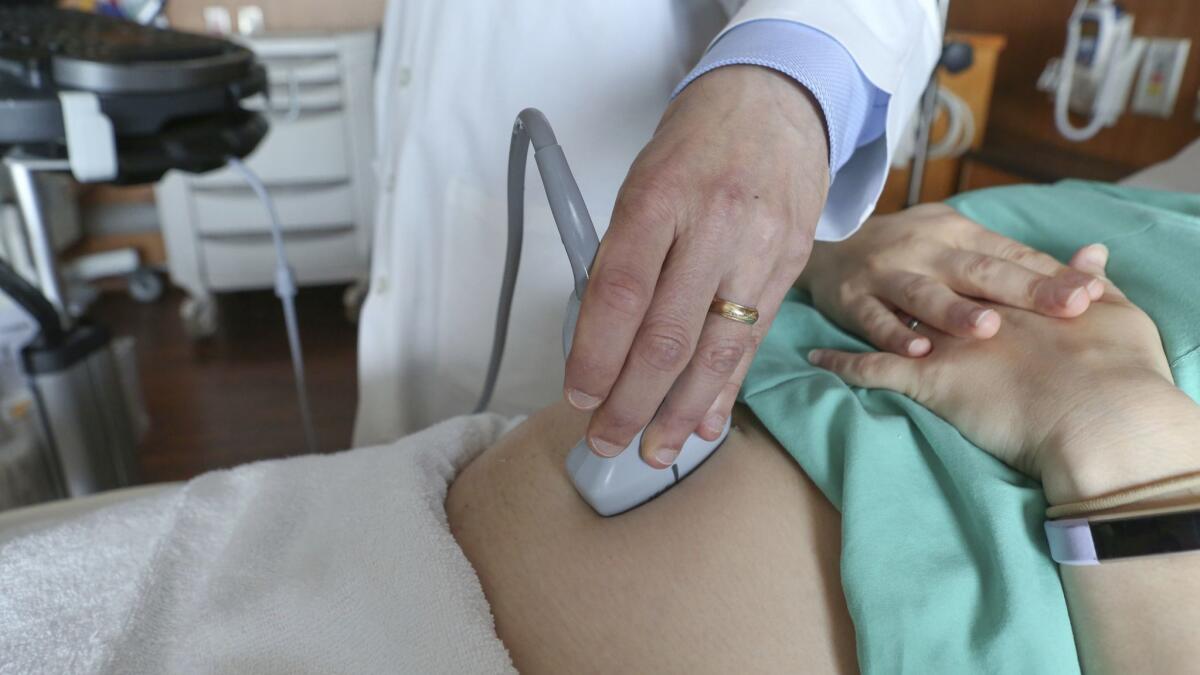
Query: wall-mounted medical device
{"type": "Point", "coordinates": [1096, 70]}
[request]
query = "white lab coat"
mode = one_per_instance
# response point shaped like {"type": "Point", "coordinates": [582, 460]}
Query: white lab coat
{"type": "Point", "coordinates": [453, 75]}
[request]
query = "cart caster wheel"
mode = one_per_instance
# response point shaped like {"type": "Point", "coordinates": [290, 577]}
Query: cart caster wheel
{"type": "Point", "coordinates": [199, 317]}
{"type": "Point", "coordinates": [352, 300]}
{"type": "Point", "coordinates": [145, 285]}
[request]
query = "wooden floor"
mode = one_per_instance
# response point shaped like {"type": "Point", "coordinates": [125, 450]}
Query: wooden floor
{"type": "Point", "coordinates": [230, 399]}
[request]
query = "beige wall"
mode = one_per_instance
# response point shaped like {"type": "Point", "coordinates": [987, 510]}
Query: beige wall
{"type": "Point", "coordinates": [286, 15]}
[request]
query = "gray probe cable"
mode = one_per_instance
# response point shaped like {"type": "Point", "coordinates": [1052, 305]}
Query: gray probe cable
{"type": "Point", "coordinates": [285, 290]}
{"type": "Point", "coordinates": [570, 215]}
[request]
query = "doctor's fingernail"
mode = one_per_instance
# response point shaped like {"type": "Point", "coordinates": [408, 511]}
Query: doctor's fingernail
{"type": "Point", "coordinates": [604, 448]}
{"type": "Point", "coordinates": [582, 401]}
{"type": "Point", "coordinates": [1095, 289]}
{"type": "Point", "coordinates": [666, 456]}
{"type": "Point", "coordinates": [714, 423]}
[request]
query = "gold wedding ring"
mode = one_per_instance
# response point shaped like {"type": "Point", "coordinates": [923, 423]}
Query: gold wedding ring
{"type": "Point", "coordinates": [734, 311]}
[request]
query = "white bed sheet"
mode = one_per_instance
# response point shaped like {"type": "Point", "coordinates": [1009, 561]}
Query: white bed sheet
{"type": "Point", "coordinates": [1181, 173]}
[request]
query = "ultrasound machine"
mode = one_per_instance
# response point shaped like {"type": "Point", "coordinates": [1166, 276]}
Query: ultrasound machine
{"type": "Point", "coordinates": [107, 101]}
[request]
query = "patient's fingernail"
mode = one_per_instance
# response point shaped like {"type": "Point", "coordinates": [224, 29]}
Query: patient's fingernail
{"type": "Point", "coordinates": [979, 315]}
{"type": "Point", "coordinates": [1067, 295]}
{"type": "Point", "coordinates": [666, 456]}
{"type": "Point", "coordinates": [604, 448]}
{"type": "Point", "coordinates": [1096, 255]}
{"type": "Point", "coordinates": [582, 401]}
{"type": "Point", "coordinates": [918, 346]}
{"type": "Point", "coordinates": [815, 356]}
{"type": "Point", "coordinates": [714, 423]}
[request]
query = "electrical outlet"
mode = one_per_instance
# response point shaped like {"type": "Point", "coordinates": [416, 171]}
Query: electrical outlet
{"type": "Point", "coordinates": [1162, 72]}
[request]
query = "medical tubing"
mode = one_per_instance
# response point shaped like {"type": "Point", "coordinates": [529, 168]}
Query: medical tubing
{"type": "Point", "coordinates": [570, 215]}
{"type": "Point", "coordinates": [1062, 95]}
{"type": "Point", "coordinates": [34, 303]}
{"type": "Point", "coordinates": [960, 127]}
{"type": "Point", "coordinates": [285, 290]}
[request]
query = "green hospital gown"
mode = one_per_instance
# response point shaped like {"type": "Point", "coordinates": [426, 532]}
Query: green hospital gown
{"type": "Point", "coordinates": [945, 566]}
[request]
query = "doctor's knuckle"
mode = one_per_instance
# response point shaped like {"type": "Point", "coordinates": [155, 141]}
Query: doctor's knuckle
{"type": "Point", "coordinates": [729, 193]}
{"type": "Point", "coordinates": [799, 250]}
{"type": "Point", "coordinates": [621, 290]}
{"type": "Point", "coordinates": [722, 355]}
{"type": "Point", "coordinates": [725, 202]}
{"type": "Point", "coordinates": [664, 345]}
{"type": "Point", "coordinates": [757, 332]}
{"type": "Point", "coordinates": [677, 420]}
{"type": "Point", "coordinates": [587, 368]}
{"type": "Point", "coordinates": [616, 423]}
{"type": "Point", "coordinates": [650, 199]}
{"type": "Point", "coordinates": [763, 239]}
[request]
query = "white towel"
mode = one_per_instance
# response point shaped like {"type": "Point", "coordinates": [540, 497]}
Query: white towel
{"type": "Point", "coordinates": [317, 564]}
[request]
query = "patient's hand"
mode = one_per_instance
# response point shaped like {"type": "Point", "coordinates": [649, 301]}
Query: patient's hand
{"type": "Point", "coordinates": [1086, 406]}
{"type": "Point", "coordinates": [928, 262]}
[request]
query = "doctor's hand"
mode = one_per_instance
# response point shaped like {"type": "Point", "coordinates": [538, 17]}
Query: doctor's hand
{"type": "Point", "coordinates": [722, 202]}
{"type": "Point", "coordinates": [931, 264]}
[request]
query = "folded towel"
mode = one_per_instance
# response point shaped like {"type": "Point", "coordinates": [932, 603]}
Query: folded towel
{"type": "Point", "coordinates": [331, 563]}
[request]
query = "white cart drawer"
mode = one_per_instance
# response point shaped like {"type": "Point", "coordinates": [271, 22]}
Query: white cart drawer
{"type": "Point", "coordinates": [311, 149]}
{"type": "Point", "coordinates": [302, 70]}
{"type": "Point", "coordinates": [289, 104]}
{"type": "Point", "coordinates": [229, 211]}
{"type": "Point", "coordinates": [235, 263]}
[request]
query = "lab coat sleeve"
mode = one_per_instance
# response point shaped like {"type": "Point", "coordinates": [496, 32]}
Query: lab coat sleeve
{"type": "Point", "coordinates": [896, 44]}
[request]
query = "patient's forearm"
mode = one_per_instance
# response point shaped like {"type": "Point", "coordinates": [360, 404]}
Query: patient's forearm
{"type": "Point", "coordinates": [1122, 430]}
{"type": "Point", "coordinates": [1139, 614]}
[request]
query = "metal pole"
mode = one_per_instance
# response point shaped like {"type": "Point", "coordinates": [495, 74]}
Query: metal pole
{"type": "Point", "coordinates": [927, 110]}
{"type": "Point", "coordinates": [23, 170]}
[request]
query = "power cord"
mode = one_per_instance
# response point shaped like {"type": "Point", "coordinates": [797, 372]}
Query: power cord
{"type": "Point", "coordinates": [285, 289]}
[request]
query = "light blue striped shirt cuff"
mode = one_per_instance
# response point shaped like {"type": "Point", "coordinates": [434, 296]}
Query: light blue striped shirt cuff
{"type": "Point", "coordinates": [855, 110]}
